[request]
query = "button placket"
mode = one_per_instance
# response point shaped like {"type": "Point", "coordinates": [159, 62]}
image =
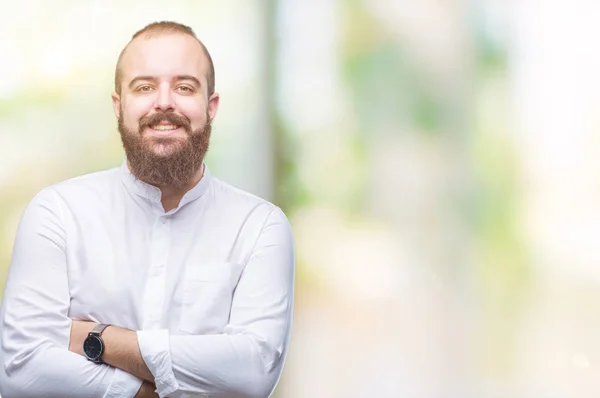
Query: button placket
{"type": "Point", "coordinates": [155, 283]}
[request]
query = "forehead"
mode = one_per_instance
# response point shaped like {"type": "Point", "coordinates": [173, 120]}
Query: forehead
{"type": "Point", "coordinates": [164, 56]}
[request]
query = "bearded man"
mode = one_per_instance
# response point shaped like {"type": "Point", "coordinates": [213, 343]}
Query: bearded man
{"type": "Point", "coordinates": [153, 278]}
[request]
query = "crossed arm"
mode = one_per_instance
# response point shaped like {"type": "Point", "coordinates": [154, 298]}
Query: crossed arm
{"type": "Point", "coordinates": [39, 344]}
{"type": "Point", "coordinates": [121, 351]}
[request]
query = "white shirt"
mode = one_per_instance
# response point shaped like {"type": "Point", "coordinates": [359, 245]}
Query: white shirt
{"type": "Point", "coordinates": [208, 286]}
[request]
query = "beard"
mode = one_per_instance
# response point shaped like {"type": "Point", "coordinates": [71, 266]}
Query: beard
{"type": "Point", "coordinates": [165, 161]}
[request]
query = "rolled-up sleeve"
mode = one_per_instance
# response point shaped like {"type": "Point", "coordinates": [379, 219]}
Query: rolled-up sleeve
{"type": "Point", "coordinates": [155, 350]}
{"type": "Point", "coordinates": [34, 323]}
{"type": "Point", "coordinates": [247, 359]}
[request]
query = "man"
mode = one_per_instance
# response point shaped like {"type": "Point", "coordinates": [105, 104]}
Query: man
{"type": "Point", "coordinates": [193, 277]}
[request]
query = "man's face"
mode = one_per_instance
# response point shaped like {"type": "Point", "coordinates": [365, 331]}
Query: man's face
{"type": "Point", "coordinates": [164, 112]}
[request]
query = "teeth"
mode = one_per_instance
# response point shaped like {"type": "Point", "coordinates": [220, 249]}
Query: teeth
{"type": "Point", "coordinates": [163, 127]}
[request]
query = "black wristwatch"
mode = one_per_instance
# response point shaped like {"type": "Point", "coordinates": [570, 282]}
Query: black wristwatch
{"type": "Point", "coordinates": [93, 346]}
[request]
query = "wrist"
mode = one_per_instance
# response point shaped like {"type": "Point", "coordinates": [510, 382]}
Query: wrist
{"type": "Point", "coordinates": [113, 338]}
{"type": "Point", "coordinates": [93, 345]}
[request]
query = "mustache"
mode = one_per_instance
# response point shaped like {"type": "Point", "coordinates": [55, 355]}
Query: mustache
{"type": "Point", "coordinates": [171, 118]}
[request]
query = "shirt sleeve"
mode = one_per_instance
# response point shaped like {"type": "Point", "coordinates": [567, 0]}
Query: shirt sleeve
{"type": "Point", "coordinates": [247, 359]}
{"type": "Point", "coordinates": [34, 323]}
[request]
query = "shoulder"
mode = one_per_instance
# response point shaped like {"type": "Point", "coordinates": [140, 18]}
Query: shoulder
{"type": "Point", "coordinates": [86, 187]}
{"type": "Point", "coordinates": [233, 202]}
{"type": "Point", "coordinates": [237, 199]}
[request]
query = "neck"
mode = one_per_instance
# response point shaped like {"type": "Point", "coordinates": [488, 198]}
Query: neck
{"type": "Point", "coordinates": [171, 195]}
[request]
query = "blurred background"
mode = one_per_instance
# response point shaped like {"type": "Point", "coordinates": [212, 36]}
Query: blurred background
{"type": "Point", "coordinates": [439, 161]}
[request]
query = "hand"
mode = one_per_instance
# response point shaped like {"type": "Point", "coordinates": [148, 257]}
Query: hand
{"type": "Point", "coordinates": [79, 332]}
{"type": "Point", "coordinates": [146, 391]}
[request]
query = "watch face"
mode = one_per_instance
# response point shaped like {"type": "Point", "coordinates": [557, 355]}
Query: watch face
{"type": "Point", "coordinates": [92, 347]}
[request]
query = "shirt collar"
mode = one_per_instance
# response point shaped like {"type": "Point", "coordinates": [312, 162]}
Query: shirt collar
{"type": "Point", "coordinates": [152, 193]}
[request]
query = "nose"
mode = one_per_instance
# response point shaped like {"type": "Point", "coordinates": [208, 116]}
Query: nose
{"type": "Point", "coordinates": [164, 100]}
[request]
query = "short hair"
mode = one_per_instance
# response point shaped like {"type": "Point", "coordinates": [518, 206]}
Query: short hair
{"type": "Point", "coordinates": [159, 28]}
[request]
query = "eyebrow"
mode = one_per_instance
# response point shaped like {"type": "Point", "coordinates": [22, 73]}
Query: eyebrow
{"type": "Point", "coordinates": [152, 78]}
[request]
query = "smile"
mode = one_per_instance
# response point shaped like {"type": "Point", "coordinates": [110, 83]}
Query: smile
{"type": "Point", "coordinates": [164, 130]}
{"type": "Point", "coordinates": [164, 127]}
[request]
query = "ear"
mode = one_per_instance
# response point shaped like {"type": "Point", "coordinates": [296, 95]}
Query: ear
{"type": "Point", "coordinates": [213, 106]}
{"type": "Point", "coordinates": [116, 100]}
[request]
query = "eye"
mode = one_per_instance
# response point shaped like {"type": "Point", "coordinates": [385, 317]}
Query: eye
{"type": "Point", "coordinates": [144, 89]}
{"type": "Point", "coordinates": [185, 89]}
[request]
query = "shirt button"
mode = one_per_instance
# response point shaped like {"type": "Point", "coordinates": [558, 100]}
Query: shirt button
{"type": "Point", "coordinates": [163, 220]}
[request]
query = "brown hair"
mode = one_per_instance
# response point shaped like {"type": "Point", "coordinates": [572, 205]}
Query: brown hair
{"type": "Point", "coordinates": [162, 27]}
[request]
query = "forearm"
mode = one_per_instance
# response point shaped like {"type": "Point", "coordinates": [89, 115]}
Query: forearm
{"type": "Point", "coordinates": [55, 372]}
{"type": "Point", "coordinates": [121, 350]}
{"type": "Point", "coordinates": [245, 367]}
{"type": "Point", "coordinates": [232, 365]}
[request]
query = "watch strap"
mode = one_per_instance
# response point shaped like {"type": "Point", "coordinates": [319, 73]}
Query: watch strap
{"type": "Point", "coordinates": [98, 329]}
